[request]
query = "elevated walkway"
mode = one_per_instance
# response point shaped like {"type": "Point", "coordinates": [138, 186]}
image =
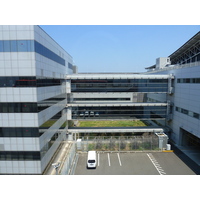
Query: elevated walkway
{"type": "Point", "coordinates": [141, 129]}
{"type": "Point", "coordinates": [116, 76]}
{"type": "Point", "coordinates": [121, 104]}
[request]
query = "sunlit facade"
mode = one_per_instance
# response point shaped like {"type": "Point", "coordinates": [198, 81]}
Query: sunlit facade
{"type": "Point", "coordinates": [32, 98]}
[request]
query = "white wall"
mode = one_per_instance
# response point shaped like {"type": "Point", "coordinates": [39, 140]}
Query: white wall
{"type": "Point", "coordinates": [186, 96]}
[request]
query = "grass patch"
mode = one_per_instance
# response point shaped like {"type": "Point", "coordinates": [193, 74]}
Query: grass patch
{"type": "Point", "coordinates": [110, 123]}
{"type": "Point", "coordinates": [50, 123]}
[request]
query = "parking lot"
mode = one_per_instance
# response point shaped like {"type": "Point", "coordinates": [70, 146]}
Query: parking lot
{"type": "Point", "coordinates": [140, 163]}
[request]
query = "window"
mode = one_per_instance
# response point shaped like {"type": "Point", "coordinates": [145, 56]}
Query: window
{"type": "Point", "coordinates": [30, 81]}
{"type": "Point", "coordinates": [120, 85]}
{"type": "Point", "coordinates": [42, 50]}
{"type": "Point", "coordinates": [196, 115]}
{"type": "Point", "coordinates": [13, 44]}
{"type": "Point", "coordinates": [190, 113]}
{"type": "Point", "coordinates": [29, 46]}
{"type": "Point", "coordinates": [18, 107]}
{"type": "Point", "coordinates": [20, 155]}
{"type": "Point", "coordinates": [188, 80]}
{"type": "Point", "coordinates": [184, 111]}
{"type": "Point", "coordinates": [197, 80]}
{"type": "Point", "coordinates": [1, 46]}
{"type": "Point", "coordinates": [22, 45]}
{"type": "Point", "coordinates": [19, 132]}
{"type": "Point", "coordinates": [187, 112]}
{"type": "Point", "coordinates": [6, 45]}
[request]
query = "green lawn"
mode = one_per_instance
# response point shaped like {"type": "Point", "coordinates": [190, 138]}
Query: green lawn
{"type": "Point", "coordinates": [50, 122]}
{"type": "Point", "coordinates": [110, 123]}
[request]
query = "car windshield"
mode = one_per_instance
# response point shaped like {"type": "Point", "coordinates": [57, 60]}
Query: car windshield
{"type": "Point", "coordinates": [91, 161]}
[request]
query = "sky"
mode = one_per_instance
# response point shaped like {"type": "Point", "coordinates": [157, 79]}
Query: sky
{"type": "Point", "coordinates": [119, 48]}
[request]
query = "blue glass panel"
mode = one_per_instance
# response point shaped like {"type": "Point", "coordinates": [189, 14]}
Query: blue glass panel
{"type": "Point", "coordinates": [29, 46]}
{"type": "Point", "coordinates": [22, 46]}
{"type": "Point", "coordinates": [13, 44]}
{"type": "Point", "coordinates": [70, 66]}
{"type": "Point", "coordinates": [1, 46]}
{"type": "Point", "coordinates": [6, 45]}
{"type": "Point", "coordinates": [48, 53]}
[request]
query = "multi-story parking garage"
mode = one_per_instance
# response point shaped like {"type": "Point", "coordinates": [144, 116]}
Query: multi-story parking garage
{"type": "Point", "coordinates": [118, 97]}
{"type": "Point", "coordinates": [40, 93]}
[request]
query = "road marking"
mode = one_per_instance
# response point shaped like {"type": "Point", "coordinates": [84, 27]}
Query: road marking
{"type": "Point", "coordinates": [98, 160]}
{"type": "Point", "coordinates": [156, 165]}
{"type": "Point", "coordinates": [119, 159]}
{"type": "Point", "coordinates": [108, 159]}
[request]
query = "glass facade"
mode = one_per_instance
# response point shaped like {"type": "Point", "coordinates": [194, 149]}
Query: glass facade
{"type": "Point", "coordinates": [48, 53]}
{"type": "Point", "coordinates": [188, 80]}
{"type": "Point", "coordinates": [120, 85]}
{"type": "Point", "coordinates": [18, 108]}
{"type": "Point", "coordinates": [16, 45]}
{"type": "Point", "coordinates": [188, 112]}
{"type": "Point", "coordinates": [29, 46]}
{"type": "Point", "coordinates": [70, 66]}
{"type": "Point", "coordinates": [19, 132]}
{"type": "Point", "coordinates": [20, 155]}
{"type": "Point", "coordinates": [29, 81]}
{"type": "Point", "coordinates": [24, 107]}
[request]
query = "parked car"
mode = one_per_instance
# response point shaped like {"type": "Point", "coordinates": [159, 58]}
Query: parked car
{"type": "Point", "coordinates": [91, 113]}
{"type": "Point", "coordinates": [81, 114]}
{"type": "Point", "coordinates": [91, 159]}
{"type": "Point", "coordinates": [86, 113]}
{"type": "Point", "coordinates": [96, 114]}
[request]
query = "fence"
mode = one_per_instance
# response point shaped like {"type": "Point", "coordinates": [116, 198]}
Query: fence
{"type": "Point", "coordinates": [121, 143]}
{"type": "Point", "coordinates": [68, 164]}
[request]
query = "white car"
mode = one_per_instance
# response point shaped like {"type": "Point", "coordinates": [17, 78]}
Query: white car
{"type": "Point", "coordinates": [86, 113]}
{"type": "Point", "coordinates": [91, 159]}
{"type": "Point", "coordinates": [96, 114]}
{"type": "Point", "coordinates": [81, 114]}
{"type": "Point", "coordinates": [91, 113]}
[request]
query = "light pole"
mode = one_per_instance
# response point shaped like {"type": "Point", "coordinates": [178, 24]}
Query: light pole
{"type": "Point", "coordinates": [56, 166]}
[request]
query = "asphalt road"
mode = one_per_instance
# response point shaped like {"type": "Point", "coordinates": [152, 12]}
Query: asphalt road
{"type": "Point", "coordinates": [152, 163]}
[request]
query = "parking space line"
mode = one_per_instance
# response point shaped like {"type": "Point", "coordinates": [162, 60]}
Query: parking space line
{"type": "Point", "coordinates": [98, 159]}
{"type": "Point", "coordinates": [156, 165]}
{"type": "Point", "coordinates": [119, 159]}
{"type": "Point", "coordinates": [109, 159]}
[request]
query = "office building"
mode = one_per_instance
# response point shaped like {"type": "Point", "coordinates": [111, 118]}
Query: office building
{"type": "Point", "coordinates": [184, 122]}
{"type": "Point", "coordinates": [32, 98]}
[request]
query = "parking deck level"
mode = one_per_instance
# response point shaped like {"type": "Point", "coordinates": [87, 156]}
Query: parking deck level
{"type": "Point", "coordinates": [140, 163]}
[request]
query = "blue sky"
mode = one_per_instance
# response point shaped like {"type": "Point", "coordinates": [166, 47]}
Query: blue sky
{"type": "Point", "coordinates": [119, 48]}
